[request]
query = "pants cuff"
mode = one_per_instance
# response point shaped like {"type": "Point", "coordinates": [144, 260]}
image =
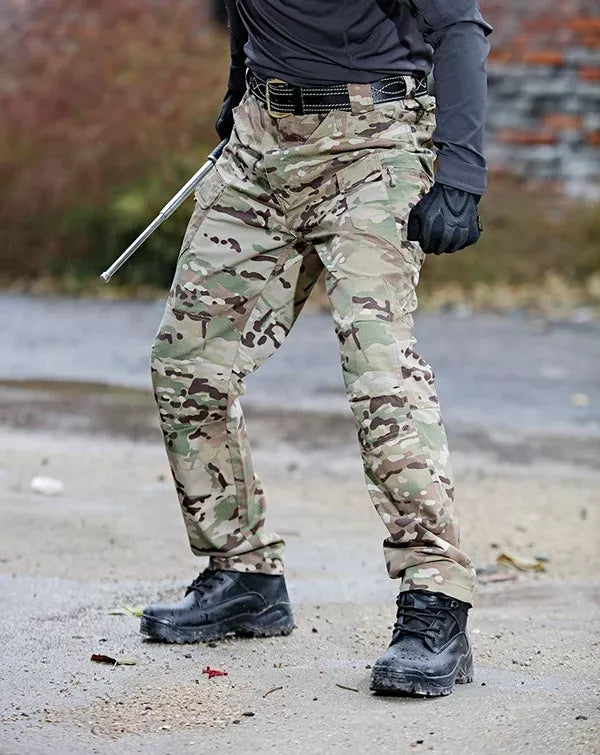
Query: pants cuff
{"type": "Point", "coordinates": [249, 563]}
{"type": "Point", "coordinates": [446, 577]}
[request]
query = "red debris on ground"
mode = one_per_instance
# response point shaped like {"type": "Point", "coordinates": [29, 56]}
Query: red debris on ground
{"type": "Point", "coordinates": [213, 672]}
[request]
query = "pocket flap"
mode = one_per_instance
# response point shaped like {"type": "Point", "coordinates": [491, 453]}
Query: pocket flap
{"type": "Point", "coordinates": [361, 171]}
{"type": "Point", "coordinates": [209, 188]}
{"type": "Point", "coordinates": [407, 166]}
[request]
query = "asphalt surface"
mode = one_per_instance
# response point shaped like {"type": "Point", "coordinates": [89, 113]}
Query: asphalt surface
{"type": "Point", "coordinates": [493, 371]}
{"type": "Point", "coordinates": [522, 403]}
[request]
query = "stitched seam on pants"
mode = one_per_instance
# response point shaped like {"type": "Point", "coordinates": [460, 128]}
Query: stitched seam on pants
{"type": "Point", "coordinates": [249, 536]}
{"type": "Point", "coordinates": [440, 490]}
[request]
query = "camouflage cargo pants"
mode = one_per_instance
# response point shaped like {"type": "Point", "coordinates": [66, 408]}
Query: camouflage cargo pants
{"type": "Point", "coordinates": [288, 199]}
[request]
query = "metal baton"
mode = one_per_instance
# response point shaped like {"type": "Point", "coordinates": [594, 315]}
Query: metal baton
{"type": "Point", "coordinates": [167, 210]}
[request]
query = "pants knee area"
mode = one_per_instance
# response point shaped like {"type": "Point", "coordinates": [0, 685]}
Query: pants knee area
{"type": "Point", "coordinates": [170, 346]}
{"type": "Point", "coordinates": [190, 393]}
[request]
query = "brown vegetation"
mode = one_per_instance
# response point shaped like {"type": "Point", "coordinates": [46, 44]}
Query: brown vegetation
{"type": "Point", "coordinates": [106, 112]}
{"type": "Point", "coordinates": [95, 98]}
{"type": "Point", "coordinates": [539, 251]}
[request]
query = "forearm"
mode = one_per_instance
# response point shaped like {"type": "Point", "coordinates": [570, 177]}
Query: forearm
{"type": "Point", "coordinates": [238, 37]}
{"type": "Point", "coordinates": [458, 34]}
{"type": "Point", "coordinates": [460, 53]}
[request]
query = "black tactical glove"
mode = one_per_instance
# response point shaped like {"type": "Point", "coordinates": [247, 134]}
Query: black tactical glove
{"type": "Point", "coordinates": [233, 97]}
{"type": "Point", "coordinates": [224, 124]}
{"type": "Point", "coordinates": [445, 220]}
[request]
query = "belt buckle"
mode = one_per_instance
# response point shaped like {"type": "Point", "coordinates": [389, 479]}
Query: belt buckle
{"type": "Point", "coordinates": [273, 114]}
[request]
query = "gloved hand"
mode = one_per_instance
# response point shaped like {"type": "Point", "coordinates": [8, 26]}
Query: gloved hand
{"type": "Point", "coordinates": [224, 124]}
{"type": "Point", "coordinates": [233, 97]}
{"type": "Point", "coordinates": [445, 220]}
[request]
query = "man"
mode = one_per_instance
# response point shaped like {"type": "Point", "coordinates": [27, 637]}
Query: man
{"type": "Point", "coordinates": [328, 167]}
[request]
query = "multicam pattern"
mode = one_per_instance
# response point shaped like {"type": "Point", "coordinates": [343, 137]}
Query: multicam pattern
{"type": "Point", "coordinates": [289, 199]}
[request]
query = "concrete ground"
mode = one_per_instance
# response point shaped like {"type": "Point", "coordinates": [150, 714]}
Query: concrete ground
{"type": "Point", "coordinates": [522, 402]}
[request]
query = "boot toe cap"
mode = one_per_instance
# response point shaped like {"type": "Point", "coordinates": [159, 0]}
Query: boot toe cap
{"type": "Point", "coordinates": [159, 612]}
{"type": "Point", "coordinates": [170, 612]}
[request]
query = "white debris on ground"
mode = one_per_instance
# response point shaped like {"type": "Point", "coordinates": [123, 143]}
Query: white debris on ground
{"type": "Point", "coordinates": [47, 485]}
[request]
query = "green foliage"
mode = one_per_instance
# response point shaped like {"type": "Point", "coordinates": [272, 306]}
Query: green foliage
{"type": "Point", "coordinates": [104, 230]}
{"type": "Point", "coordinates": [104, 115]}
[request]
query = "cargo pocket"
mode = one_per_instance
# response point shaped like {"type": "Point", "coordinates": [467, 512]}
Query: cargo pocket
{"type": "Point", "coordinates": [209, 188]}
{"type": "Point", "coordinates": [380, 190]}
{"type": "Point", "coordinates": [206, 194]}
{"type": "Point", "coordinates": [367, 205]}
{"type": "Point", "coordinates": [408, 177]}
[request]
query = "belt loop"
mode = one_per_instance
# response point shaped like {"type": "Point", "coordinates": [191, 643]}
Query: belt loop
{"type": "Point", "coordinates": [412, 91]}
{"type": "Point", "coordinates": [273, 113]}
{"type": "Point", "coordinates": [361, 98]}
{"type": "Point", "coordinates": [411, 85]}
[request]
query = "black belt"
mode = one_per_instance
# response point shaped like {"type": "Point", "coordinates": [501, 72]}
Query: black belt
{"type": "Point", "coordinates": [281, 98]}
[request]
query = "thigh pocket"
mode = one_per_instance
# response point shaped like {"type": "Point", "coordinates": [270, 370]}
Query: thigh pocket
{"type": "Point", "coordinates": [408, 176]}
{"type": "Point", "coordinates": [206, 194]}
{"type": "Point", "coordinates": [381, 189]}
{"type": "Point", "coordinates": [362, 186]}
{"type": "Point", "coordinates": [209, 189]}
{"type": "Point", "coordinates": [379, 192]}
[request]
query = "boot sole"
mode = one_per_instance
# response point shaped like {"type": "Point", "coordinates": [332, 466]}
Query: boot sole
{"type": "Point", "coordinates": [414, 683]}
{"type": "Point", "coordinates": [276, 620]}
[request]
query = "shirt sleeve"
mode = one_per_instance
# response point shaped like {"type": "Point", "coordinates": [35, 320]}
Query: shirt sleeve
{"type": "Point", "coordinates": [238, 36]}
{"type": "Point", "coordinates": [458, 34]}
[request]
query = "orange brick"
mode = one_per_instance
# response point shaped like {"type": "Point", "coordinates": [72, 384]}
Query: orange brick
{"type": "Point", "coordinates": [521, 40]}
{"type": "Point", "coordinates": [593, 138]}
{"type": "Point", "coordinates": [562, 122]}
{"type": "Point", "coordinates": [543, 58]}
{"type": "Point", "coordinates": [500, 56]}
{"type": "Point", "coordinates": [516, 136]}
{"type": "Point", "coordinates": [590, 40]}
{"type": "Point", "coordinates": [589, 73]}
{"type": "Point", "coordinates": [585, 24]}
{"type": "Point", "coordinates": [542, 23]}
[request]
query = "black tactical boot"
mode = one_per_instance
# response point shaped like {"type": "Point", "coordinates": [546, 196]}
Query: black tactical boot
{"type": "Point", "coordinates": [222, 603]}
{"type": "Point", "coordinates": [430, 650]}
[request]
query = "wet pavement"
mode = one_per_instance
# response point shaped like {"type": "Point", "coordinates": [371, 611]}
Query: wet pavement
{"type": "Point", "coordinates": [505, 372]}
{"type": "Point", "coordinates": [522, 402]}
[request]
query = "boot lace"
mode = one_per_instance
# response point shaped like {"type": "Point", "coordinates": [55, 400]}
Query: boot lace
{"type": "Point", "coordinates": [426, 623]}
{"type": "Point", "coordinates": [205, 581]}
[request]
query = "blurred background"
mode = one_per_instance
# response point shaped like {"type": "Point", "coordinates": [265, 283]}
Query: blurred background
{"type": "Point", "coordinates": [108, 107]}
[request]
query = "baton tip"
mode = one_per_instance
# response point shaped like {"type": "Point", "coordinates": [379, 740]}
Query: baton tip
{"type": "Point", "coordinates": [105, 277]}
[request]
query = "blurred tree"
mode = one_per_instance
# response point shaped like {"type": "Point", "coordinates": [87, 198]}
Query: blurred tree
{"type": "Point", "coordinates": [95, 99]}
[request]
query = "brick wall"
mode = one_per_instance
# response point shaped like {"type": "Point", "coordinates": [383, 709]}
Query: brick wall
{"type": "Point", "coordinates": [544, 91]}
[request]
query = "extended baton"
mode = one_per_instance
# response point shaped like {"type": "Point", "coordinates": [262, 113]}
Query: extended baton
{"type": "Point", "coordinates": [167, 210]}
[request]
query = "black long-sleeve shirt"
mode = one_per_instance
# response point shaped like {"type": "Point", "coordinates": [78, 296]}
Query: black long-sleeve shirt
{"type": "Point", "coordinates": [313, 42]}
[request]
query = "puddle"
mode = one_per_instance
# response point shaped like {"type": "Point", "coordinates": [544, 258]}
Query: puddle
{"type": "Point", "coordinates": [78, 407]}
